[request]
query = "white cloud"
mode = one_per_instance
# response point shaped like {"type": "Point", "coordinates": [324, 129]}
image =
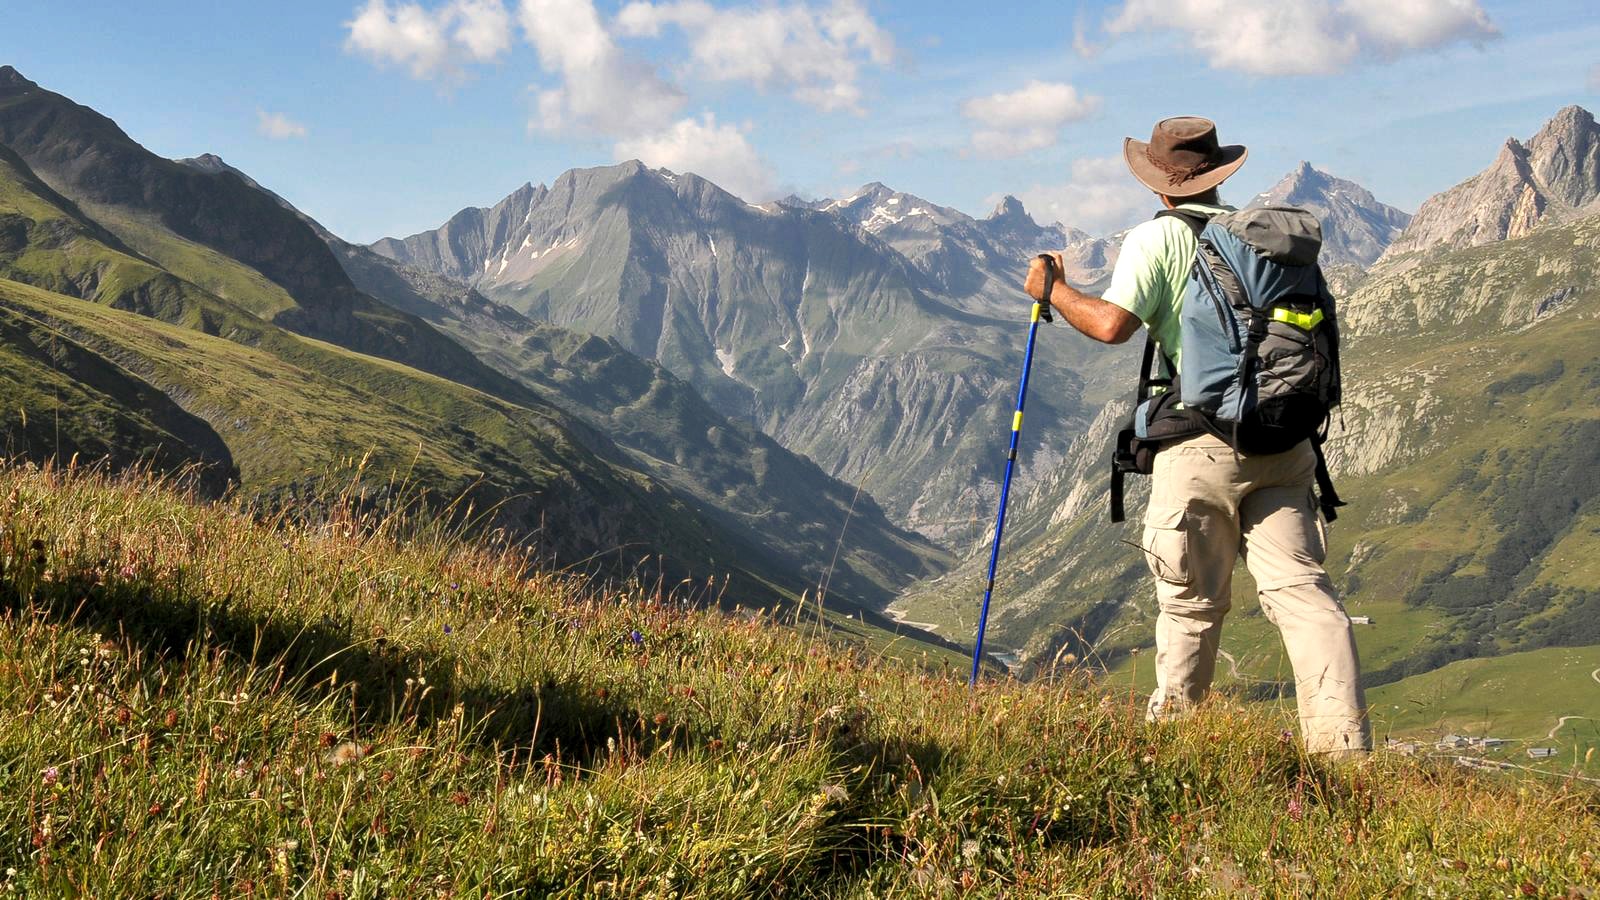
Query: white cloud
{"type": "Point", "coordinates": [603, 90]}
{"type": "Point", "coordinates": [719, 153]}
{"type": "Point", "coordinates": [431, 43]}
{"type": "Point", "coordinates": [1306, 37]}
{"type": "Point", "coordinates": [1397, 25]}
{"type": "Point", "coordinates": [1027, 119]}
{"type": "Point", "coordinates": [1100, 196]}
{"type": "Point", "coordinates": [278, 126]}
{"type": "Point", "coordinates": [815, 53]}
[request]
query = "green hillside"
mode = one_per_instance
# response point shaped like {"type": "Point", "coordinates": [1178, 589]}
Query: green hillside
{"type": "Point", "coordinates": [213, 230]}
{"type": "Point", "coordinates": [197, 702]}
{"type": "Point", "coordinates": [1553, 694]}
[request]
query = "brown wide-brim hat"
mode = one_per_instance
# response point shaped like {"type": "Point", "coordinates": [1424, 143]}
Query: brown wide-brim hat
{"type": "Point", "coordinates": [1182, 158]}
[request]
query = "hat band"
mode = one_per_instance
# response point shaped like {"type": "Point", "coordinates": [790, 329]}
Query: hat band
{"type": "Point", "coordinates": [1177, 175]}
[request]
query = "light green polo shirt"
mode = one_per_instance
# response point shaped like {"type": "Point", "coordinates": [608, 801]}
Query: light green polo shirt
{"type": "Point", "coordinates": [1152, 273]}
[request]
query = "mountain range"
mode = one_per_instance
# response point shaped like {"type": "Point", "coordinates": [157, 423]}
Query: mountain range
{"type": "Point", "coordinates": [178, 314]}
{"type": "Point", "coordinates": [805, 395]}
{"type": "Point", "coordinates": [806, 322]}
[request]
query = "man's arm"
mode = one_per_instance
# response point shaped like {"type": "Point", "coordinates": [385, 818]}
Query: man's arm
{"type": "Point", "coordinates": [1097, 319]}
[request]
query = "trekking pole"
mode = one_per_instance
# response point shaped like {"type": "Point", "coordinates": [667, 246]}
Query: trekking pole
{"type": "Point", "coordinates": [1041, 310]}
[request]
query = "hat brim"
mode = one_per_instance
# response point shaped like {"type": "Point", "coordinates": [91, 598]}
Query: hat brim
{"type": "Point", "coordinates": [1136, 154]}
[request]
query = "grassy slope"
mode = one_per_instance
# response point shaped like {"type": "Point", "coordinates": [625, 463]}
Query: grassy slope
{"type": "Point", "coordinates": [63, 402]}
{"type": "Point", "coordinates": [294, 419]}
{"type": "Point", "coordinates": [1470, 697]}
{"type": "Point", "coordinates": [195, 702]}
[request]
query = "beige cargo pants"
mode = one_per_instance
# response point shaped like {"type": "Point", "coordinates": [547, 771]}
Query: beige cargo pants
{"type": "Point", "coordinates": [1208, 505]}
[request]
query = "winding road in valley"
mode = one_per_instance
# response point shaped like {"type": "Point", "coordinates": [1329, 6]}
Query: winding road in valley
{"type": "Point", "coordinates": [1560, 722]}
{"type": "Point", "coordinates": [1565, 719]}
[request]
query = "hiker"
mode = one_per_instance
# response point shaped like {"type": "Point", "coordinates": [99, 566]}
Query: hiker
{"type": "Point", "coordinates": [1215, 495]}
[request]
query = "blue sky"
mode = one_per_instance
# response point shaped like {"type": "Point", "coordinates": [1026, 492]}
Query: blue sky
{"type": "Point", "coordinates": [383, 118]}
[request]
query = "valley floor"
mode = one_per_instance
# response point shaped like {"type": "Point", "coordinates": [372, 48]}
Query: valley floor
{"type": "Point", "coordinates": [196, 701]}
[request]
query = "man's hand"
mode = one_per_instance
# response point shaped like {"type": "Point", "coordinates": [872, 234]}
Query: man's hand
{"type": "Point", "coordinates": [1102, 321]}
{"type": "Point", "coordinates": [1034, 285]}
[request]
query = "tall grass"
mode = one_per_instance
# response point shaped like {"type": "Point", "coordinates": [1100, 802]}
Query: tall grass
{"type": "Point", "coordinates": [196, 701]}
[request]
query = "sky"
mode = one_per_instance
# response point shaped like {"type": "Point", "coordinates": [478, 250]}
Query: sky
{"type": "Point", "coordinates": [385, 117]}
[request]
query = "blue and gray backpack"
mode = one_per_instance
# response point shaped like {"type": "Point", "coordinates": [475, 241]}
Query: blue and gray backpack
{"type": "Point", "coordinates": [1260, 364]}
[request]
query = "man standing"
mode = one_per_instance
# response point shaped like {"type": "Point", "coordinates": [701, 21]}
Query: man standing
{"type": "Point", "coordinates": [1210, 503]}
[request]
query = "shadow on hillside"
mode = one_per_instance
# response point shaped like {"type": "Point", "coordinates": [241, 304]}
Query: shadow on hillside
{"type": "Point", "coordinates": [553, 716]}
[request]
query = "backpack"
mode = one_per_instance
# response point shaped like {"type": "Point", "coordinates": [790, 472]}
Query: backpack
{"type": "Point", "coordinates": [1260, 364]}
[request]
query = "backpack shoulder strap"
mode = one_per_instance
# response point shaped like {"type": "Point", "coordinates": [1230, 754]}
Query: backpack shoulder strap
{"type": "Point", "coordinates": [1155, 371]}
{"type": "Point", "coordinates": [1195, 219]}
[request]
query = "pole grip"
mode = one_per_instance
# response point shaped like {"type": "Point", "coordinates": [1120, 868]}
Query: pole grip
{"type": "Point", "coordinates": [1049, 282]}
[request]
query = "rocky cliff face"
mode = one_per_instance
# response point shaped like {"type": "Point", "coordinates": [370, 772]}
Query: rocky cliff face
{"type": "Point", "coordinates": [872, 334]}
{"type": "Point", "coordinates": [1356, 228]}
{"type": "Point", "coordinates": [1555, 177]}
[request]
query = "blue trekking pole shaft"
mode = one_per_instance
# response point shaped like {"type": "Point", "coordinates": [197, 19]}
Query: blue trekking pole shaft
{"type": "Point", "coordinates": [1041, 310]}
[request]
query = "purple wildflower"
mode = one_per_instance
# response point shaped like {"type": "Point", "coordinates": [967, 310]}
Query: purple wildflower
{"type": "Point", "coordinates": [51, 775]}
{"type": "Point", "coordinates": [636, 637]}
{"type": "Point", "coordinates": [448, 629]}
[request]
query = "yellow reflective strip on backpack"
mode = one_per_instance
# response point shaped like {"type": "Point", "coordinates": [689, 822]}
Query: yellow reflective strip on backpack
{"type": "Point", "coordinates": [1303, 321]}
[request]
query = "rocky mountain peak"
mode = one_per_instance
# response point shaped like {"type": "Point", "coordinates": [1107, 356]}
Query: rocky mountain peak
{"type": "Point", "coordinates": [11, 79]}
{"type": "Point", "coordinates": [1513, 157]}
{"type": "Point", "coordinates": [206, 161]}
{"type": "Point", "coordinates": [1565, 157]}
{"type": "Point", "coordinates": [1553, 177]}
{"type": "Point", "coordinates": [1010, 211]}
{"type": "Point", "coordinates": [1356, 228]}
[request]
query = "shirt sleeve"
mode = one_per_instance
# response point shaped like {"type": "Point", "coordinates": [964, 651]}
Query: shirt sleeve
{"type": "Point", "coordinates": [1138, 283]}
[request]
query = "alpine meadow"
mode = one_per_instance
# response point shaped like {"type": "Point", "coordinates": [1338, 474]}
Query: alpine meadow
{"type": "Point", "coordinates": [651, 529]}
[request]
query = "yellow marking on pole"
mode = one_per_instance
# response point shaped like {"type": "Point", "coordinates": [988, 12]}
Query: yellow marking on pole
{"type": "Point", "coordinates": [1037, 309]}
{"type": "Point", "coordinates": [1016, 422]}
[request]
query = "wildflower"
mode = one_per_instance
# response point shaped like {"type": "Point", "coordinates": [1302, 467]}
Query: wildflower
{"type": "Point", "coordinates": [1296, 812]}
{"type": "Point", "coordinates": [346, 753]}
{"type": "Point", "coordinates": [51, 775]}
{"type": "Point", "coordinates": [636, 637]}
{"type": "Point", "coordinates": [447, 629]}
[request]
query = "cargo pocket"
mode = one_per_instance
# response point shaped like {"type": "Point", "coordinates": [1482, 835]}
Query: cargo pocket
{"type": "Point", "coordinates": [1166, 543]}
